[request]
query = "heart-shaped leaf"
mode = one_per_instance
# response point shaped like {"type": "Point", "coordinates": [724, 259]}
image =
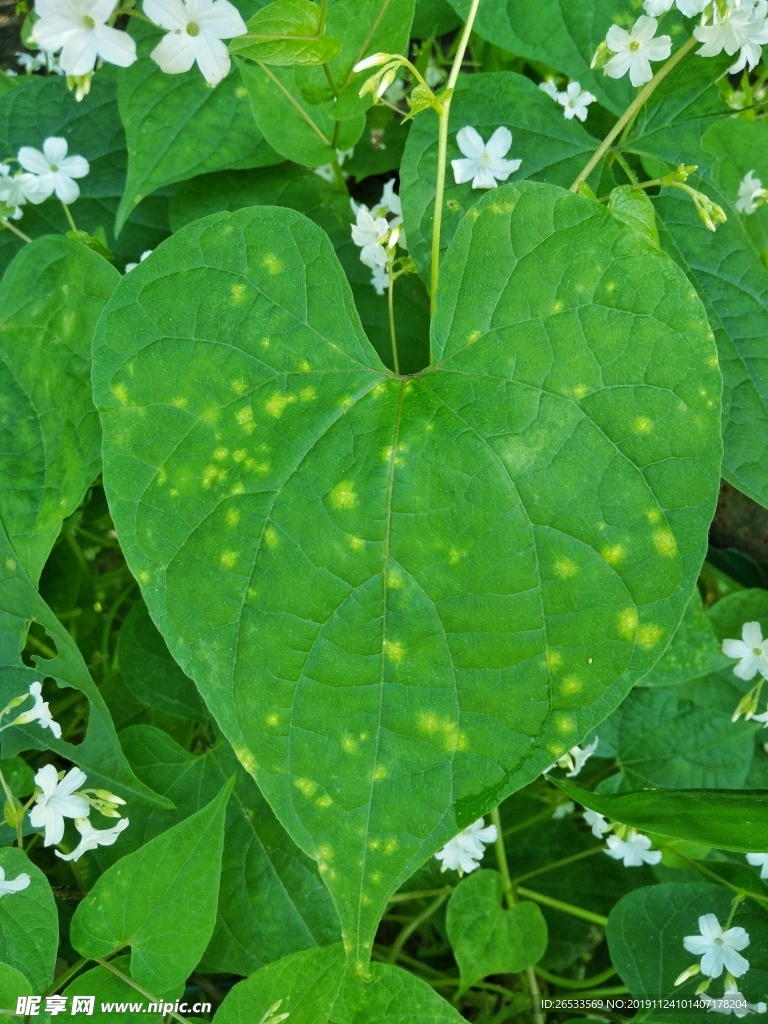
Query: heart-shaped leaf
{"type": "Point", "coordinates": [403, 597]}
{"type": "Point", "coordinates": [488, 939]}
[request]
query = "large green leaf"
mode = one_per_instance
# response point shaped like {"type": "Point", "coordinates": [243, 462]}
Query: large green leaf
{"type": "Point", "coordinates": [487, 938]}
{"type": "Point", "coordinates": [271, 899]}
{"type": "Point", "coordinates": [550, 147]}
{"type": "Point", "coordinates": [286, 32]}
{"type": "Point", "coordinates": [729, 819]}
{"type": "Point", "coordinates": [99, 753]}
{"type": "Point", "coordinates": [160, 900]}
{"type": "Point", "coordinates": [178, 127]}
{"type": "Point", "coordinates": [29, 924]}
{"type": "Point", "coordinates": [42, 107]}
{"type": "Point", "coordinates": [51, 298]}
{"type": "Point", "coordinates": [388, 590]}
{"type": "Point", "coordinates": [695, 650]}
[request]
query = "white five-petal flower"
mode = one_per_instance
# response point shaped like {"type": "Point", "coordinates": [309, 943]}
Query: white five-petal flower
{"type": "Point", "coordinates": [634, 50]}
{"type": "Point", "coordinates": [18, 189]}
{"type": "Point", "coordinates": [743, 27]}
{"type": "Point", "coordinates": [731, 1002]}
{"type": "Point", "coordinates": [132, 266]}
{"type": "Point", "coordinates": [380, 280]}
{"type": "Point", "coordinates": [56, 172]}
{"type": "Point", "coordinates": [575, 101]}
{"type": "Point", "coordinates": [39, 713]}
{"type": "Point", "coordinates": [79, 29]}
{"type": "Point", "coordinates": [759, 860]}
{"type": "Point", "coordinates": [549, 87]}
{"type": "Point", "coordinates": [195, 32]}
{"type": "Point", "coordinates": [751, 651]}
{"type": "Point", "coordinates": [750, 189]}
{"type": "Point", "coordinates": [484, 164]}
{"type": "Point", "coordinates": [56, 800]}
{"type": "Point", "coordinates": [371, 234]}
{"type": "Point", "coordinates": [464, 852]}
{"type": "Point", "coordinates": [690, 8]}
{"type": "Point", "coordinates": [13, 884]}
{"type": "Point", "coordinates": [92, 837]}
{"type": "Point", "coordinates": [634, 849]}
{"type": "Point", "coordinates": [718, 949]}
{"type": "Point", "coordinates": [598, 823]}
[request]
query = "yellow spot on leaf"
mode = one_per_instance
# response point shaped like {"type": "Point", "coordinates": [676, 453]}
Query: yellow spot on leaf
{"type": "Point", "coordinates": [271, 537]}
{"type": "Point", "coordinates": [343, 495]}
{"type": "Point", "coordinates": [180, 402]}
{"type": "Point", "coordinates": [244, 417]}
{"type": "Point", "coordinates": [394, 580]}
{"type": "Point", "coordinates": [628, 623]}
{"type": "Point", "coordinates": [653, 515]}
{"type": "Point", "coordinates": [349, 745]}
{"type": "Point", "coordinates": [239, 386]}
{"type": "Point", "coordinates": [304, 366]}
{"type": "Point", "coordinates": [273, 719]}
{"type": "Point", "coordinates": [238, 489]}
{"type": "Point", "coordinates": [323, 802]}
{"type": "Point", "coordinates": [143, 576]}
{"type": "Point", "coordinates": [232, 517]}
{"type": "Point", "coordinates": [220, 454]}
{"type": "Point", "coordinates": [565, 723]}
{"type": "Point", "coordinates": [390, 846]}
{"type": "Point", "coordinates": [379, 773]}
{"type": "Point", "coordinates": [228, 559]}
{"type": "Point", "coordinates": [276, 405]}
{"type": "Point", "coordinates": [357, 543]}
{"type": "Point", "coordinates": [454, 556]}
{"type": "Point", "coordinates": [649, 635]}
{"type": "Point", "coordinates": [120, 391]}
{"type": "Point", "coordinates": [10, 565]}
{"type": "Point", "coordinates": [237, 292]}
{"type": "Point", "coordinates": [571, 684]}
{"type": "Point", "coordinates": [554, 660]}
{"type": "Point", "coordinates": [566, 568]}
{"type": "Point", "coordinates": [558, 306]}
{"type": "Point", "coordinates": [664, 542]}
{"type": "Point", "coordinates": [308, 394]}
{"type": "Point", "coordinates": [306, 787]}
{"type": "Point", "coordinates": [239, 455]}
{"type": "Point", "coordinates": [273, 264]}
{"type": "Point", "coordinates": [614, 554]}
{"type": "Point", "coordinates": [394, 650]}
{"type": "Point", "coordinates": [580, 391]}
{"type": "Point", "coordinates": [642, 425]}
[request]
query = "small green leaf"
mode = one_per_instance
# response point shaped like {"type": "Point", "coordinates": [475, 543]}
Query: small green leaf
{"type": "Point", "coordinates": [12, 985]}
{"type": "Point", "coordinates": [286, 32]}
{"type": "Point", "coordinates": [487, 938]}
{"type": "Point", "coordinates": [727, 819]}
{"type": "Point", "coordinates": [51, 298]}
{"type": "Point", "coordinates": [29, 924]}
{"type": "Point", "coordinates": [633, 207]}
{"type": "Point", "coordinates": [160, 900]}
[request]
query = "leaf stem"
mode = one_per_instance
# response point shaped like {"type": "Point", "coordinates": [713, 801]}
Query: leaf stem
{"type": "Point", "coordinates": [413, 924]}
{"type": "Point", "coordinates": [14, 230]}
{"type": "Point", "coordinates": [323, 16]}
{"type": "Point", "coordinates": [566, 908]}
{"type": "Point", "coordinates": [576, 983]}
{"type": "Point", "coordinates": [60, 981]}
{"type": "Point", "coordinates": [443, 113]}
{"type": "Point", "coordinates": [420, 894]}
{"type": "Point", "coordinates": [391, 309]}
{"type": "Point", "coordinates": [557, 864]}
{"type": "Point", "coordinates": [69, 217]}
{"type": "Point", "coordinates": [15, 809]}
{"type": "Point", "coordinates": [139, 988]}
{"type": "Point", "coordinates": [632, 111]}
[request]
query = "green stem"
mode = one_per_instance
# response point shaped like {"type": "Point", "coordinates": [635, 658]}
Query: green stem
{"type": "Point", "coordinates": [69, 217]}
{"type": "Point", "coordinates": [719, 878]}
{"type": "Point", "coordinates": [14, 230]}
{"type": "Point", "coordinates": [323, 16]}
{"type": "Point", "coordinates": [621, 160]}
{"type": "Point", "coordinates": [331, 80]}
{"type": "Point", "coordinates": [511, 898]}
{"type": "Point", "coordinates": [139, 988]}
{"type": "Point", "coordinates": [391, 309]}
{"type": "Point", "coordinates": [412, 925]}
{"type": "Point", "coordinates": [575, 983]}
{"type": "Point", "coordinates": [543, 816]}
{"type": "Point", "coordinates": [443, 113]}
{"type": "Point", "coordinates": [632, 111]}
{"type": "Point", "coordinates": [420, 894]}
{"type": "Point", "coordinates": [566, 908]}
{"type": "Point", "coordinates": [14, 808]}
{"type": "Point", "coordinates": [338, 176]}
{"type": "Point", "coordinates": [557, 864]}
{"type": "Point", "coordinates": [44, 649]}
{"type": "Point", "coordinates": [62, 979]}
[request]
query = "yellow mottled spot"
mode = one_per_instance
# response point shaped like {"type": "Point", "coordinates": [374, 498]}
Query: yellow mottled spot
{"type": "Point", "coordinates": [304, 366]}
{"type": "Point", "coordinates": [232, 517]}
{"type": "Point", "coordinates": [611, 287]}
{"type": "Point", "coordinates": [566, 568]}
{"type": "Point", "coordinates": [664, 542]}
{"type": "Point", "coordinates": [120, 391]}
{"type": "Point", "coordinates": [343, 495]}
{"type": "Point", "coordinates": [571, 684]}
{"type": "Point", "coordinates": [642, 425]}
{"type": "Point", "coordinates": [628, 623]}
{"type": "Point", "coordinates": [238, 489]}
{"type": "Point", "coordinates": [210, 474]}
{"type": "Point", "coordinates": [174, 492]}
{"type": "Point", "coordinates": [239, 386]}
{"type": "Point", "coordinates": [356, 543]}
{"type": "Point", "coordinates": [252, 593]}
{"type": "Point", "coordinates": [237, 291]}
{"type": "Point", "coordinates": [394, 650]}
{"type": "Point", "coordinates": [265, 342]}
{"type": "Point", "coordinates": [241, 92]}
{"type": "Point", "coordinates": [362, 736]}
{"type": "Point", "coordinates": [580, 391]}
{"type": "Point", "coordinates": [239, 455]}
{"type": "Point", "coordinates": [162, 477]}
{"type": "Point", "coordinates": [306, 787]}
{"type": "Point", "coordinates": [180, 402]}
{"type": "Point", "coordinates": [374, 844]}
{"type": "Point", "coordinates": [564, 723]}
{"type": "Point", "coordinates": [454, 556]}
{"type": "Point", "coordinates": [10, 565]}
{"type": "Point", "coordinates": [390, 846]}
{"type": "Point", "coordinates": [276, 405]}
{"type": "Point", "coordinates": [211, 414]}
{"type": "Point", "coordinates": [273, 264]}
{"type": "Point", "coordinates": [376, 877]}
{"type": "Point", "coordinates": [323, 802]}
{"type": "Point", "coordinates": [244, 417]}
{"type": "Point", "coordinates": [394, 580]}
{"type": "Point", "coordinates": [649, 635]}
{"type": "Point", "coordinates": [271, 537]}
{"type": "Point", "coordinates": [308, 394]}
{"type": "Point", "coordinates": [554, 660]}
{"type": "Point", "coordinates": [143, 576]}
{"type": "Point", "coordinates": [273, 719]}
{"type": "Point", "coordinates": [713, 362]}
{"type": "Point", "coordinates": [558, 306]}
{"type": "Point", "coordinates": [220, 454]}
{"type": "Point", "coordinates": [228, 559]}
{"type": "Point", "coordinates": [379, 773]}
{"type": "Point", "coordinates": [348, 744]}
{"type": "Point", "coordinates": [452, 737]}
{"type": "Point", "coordinates": [379, 390]}
{"type": "Point", "coordinates": [614, 554]}
{"type": "Point", "coordinates": [557, 749]}
{"type": "Point", "coordinates": [324, 852]}
{"type": "Point", "coordinates": [653, 515]}
{"type": "Point", "coordinates": [472, 338]}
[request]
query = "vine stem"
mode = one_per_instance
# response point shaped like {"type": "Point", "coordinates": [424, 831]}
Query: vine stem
{"type": "Point", "coordinates": [140, 988]}
{"type": "Point", "coordinates": [391, 308]}
{"type": "Point", "coordinates": [14, 807]}
{"type": "Point", "coordinates": [443, 113]}
{"type": "Point", "coordinates": [567, 908]}
{"type": "Point", "coordinates": [632, 111]}
{"type": "Point", "coordinates": [68, 213]}
{"type": "Point", "coordinates": [14, 230]}
{"type": "Point", "coordinates": [511, 898]}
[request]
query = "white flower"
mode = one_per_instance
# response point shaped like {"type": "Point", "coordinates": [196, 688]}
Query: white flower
{"type": "Point", "coordinates": [634, 850]}
{"type": "Point", "coordinates": [380, 280]}
{"type": "Point", "coordinates": [575, 101]}
{"type": "Point", "coordinates": [750, 650]}
{"type": "Point", "coordinates": [56, 172]}
{"type": "Point", "coordinates": [549, 87]}
{"type": "Point", "coordinates": [732, 1002]}
{"type": "Point", "coordinates": [575, 759]}
{"type": "Point", "coordinates": [18, 189]}
{"type": "Point", "coordinates": [597, 823]}
{"type": "Point", "coordinates": [635, 49]}
{"type": "Point", "coordinates": [371, 235]}
{"type": "Point", "coordinates": [56, 800]}
{"type": "Point", "coordinates": [433, 75]}
{"type": "Point", "coordinates": [132, 266]}
{"type": "Point", "coordinates": [13, 885]}
{"type": "Point", "coordinates": [391, 200]}
{"type": "Point", "coordinates": [717, 948]}
{"type": "Point", "coordinates": [79, 29]}
{"type": "Point", "coordinates": [759, 860]}
{"type": "Point", "coordinates": [750, 189]}
{"type": "Point", "coordinates": [484, 163]}
{"type": "Point", "coordinates": [761, 718]}
{"type": "Point", "coordinates": [690, 8]}
{"type": "Point", "coordinates": [563, 810]}
{"type": "Point", "coordinates": [195, 32]}
{"type": "Point", "coordinates": [743, 27]}
{"type": "Point", "coordinates": [93, 837]}
{"type": "Point", "coordinates": [465, 851]}
{"type": "Point", "coordinates": [396, 92]}
{"type": "Point", "coordinates": [39, 713]}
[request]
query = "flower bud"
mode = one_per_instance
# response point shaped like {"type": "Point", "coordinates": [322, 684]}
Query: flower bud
{"type": "Point", "coordinates": [689, 972]}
